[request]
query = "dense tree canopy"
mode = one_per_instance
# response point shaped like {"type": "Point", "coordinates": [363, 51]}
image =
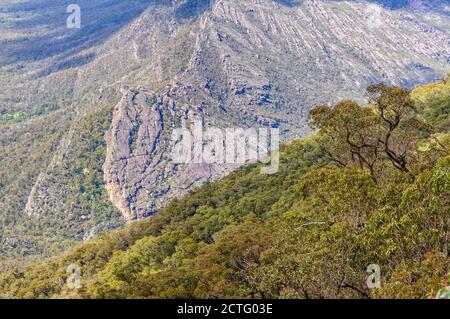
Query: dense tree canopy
{"type": "Point", "coordinates": [370, 187]}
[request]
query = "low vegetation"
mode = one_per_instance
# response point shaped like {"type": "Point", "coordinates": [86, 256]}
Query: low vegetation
{"type": "Point", "coordinates": [370, 187]}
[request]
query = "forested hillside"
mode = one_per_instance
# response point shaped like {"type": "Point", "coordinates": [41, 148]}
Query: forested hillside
{"type": "Point", "coordinates": [370, 187]}
{"type": "Point", "coordinates": [227, 63]}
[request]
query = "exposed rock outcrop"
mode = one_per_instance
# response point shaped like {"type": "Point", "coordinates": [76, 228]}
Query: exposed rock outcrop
{"type": "Point", "coordinates": [140, 176]}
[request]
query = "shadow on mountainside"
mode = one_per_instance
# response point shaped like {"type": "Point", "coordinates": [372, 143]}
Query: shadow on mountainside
{"type": "Point", "coordinates": [42, 31]}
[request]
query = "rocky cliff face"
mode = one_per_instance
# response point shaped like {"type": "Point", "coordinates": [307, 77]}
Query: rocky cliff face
{"type": "Point", "coordinates": [140, 176]}
{"type": "Point", "coordinates": [259, 63]}
{"type": "Point", "coordinates": [228, 63]}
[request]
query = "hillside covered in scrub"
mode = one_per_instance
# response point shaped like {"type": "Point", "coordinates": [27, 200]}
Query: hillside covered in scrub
{"type": "Point", "coordinates": [137, 69]}
{"type": "Point", "coordinates": [371, 186]}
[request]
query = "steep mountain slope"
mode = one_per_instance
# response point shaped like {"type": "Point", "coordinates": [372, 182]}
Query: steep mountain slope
{"type": "Point", "coordinates": [309, 231]}
{"type": "Point", "coordinates": [226, 63]}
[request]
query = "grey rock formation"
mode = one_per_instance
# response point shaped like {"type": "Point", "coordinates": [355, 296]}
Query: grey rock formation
{"type": "Point", "coordinates": [140, 176]}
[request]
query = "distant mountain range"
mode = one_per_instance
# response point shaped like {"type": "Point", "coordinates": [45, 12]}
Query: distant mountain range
{"type": "Point", "coordinates": [72, 100]}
